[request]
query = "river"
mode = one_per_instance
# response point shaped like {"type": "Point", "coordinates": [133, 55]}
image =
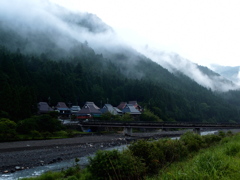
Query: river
{"type": "Point", "coordinates": [61, 165]}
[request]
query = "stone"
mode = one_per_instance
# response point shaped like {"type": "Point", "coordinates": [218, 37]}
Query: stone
{"type": "Point", "coordinates": [18, 168]}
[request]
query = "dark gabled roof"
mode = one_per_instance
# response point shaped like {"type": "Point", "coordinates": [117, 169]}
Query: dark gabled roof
{"type": "Point", "coordinates": [43, 107]}
{"type": "Point", "coordinates": [118, 110]}
{"type": "Point", "coordinates": [134, 103]}
{"type": "Point", "coordinates": [129, 108]}
{"type": "Point", "coordinates": [89, 108]}
{"type": "Point", "coordinates": [92, 103]}
{"type": "Point", "coordinates": [61, 105]}
{"type": "Point", "coordinates": [122, 105]}
{"type": "Point", "coordinates": [111, 109]}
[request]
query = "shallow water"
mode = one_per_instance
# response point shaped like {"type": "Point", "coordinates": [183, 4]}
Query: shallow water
{"type": "Point", "coordinates": [52, 167]}
{"type": "Point", "coordinates": [62, 165]}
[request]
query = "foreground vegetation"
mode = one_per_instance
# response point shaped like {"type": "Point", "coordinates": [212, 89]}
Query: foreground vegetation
{"type": "Point", "coordinates": [190, 157]}
{"type": "Point", "coordinates": [34, 128]}
{"type": "Point", "coordinates": [218, 162]}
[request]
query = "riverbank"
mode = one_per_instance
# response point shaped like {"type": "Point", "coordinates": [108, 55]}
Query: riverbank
{"type": "Point", "coordinates": [22, 155]}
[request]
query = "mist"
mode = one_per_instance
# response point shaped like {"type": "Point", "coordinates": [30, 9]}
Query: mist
{"type": "Point", "coordinates": [175, 63]}
{"type": "Point", "coordinates": [40, 26]}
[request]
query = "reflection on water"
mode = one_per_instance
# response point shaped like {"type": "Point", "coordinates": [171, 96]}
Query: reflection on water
{"type": "Point", "coordinates": [62, 165]}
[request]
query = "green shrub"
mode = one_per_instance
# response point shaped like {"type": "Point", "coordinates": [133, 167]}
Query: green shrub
{"type": "Point", "coordinates": [35, 134]}
{"type": "Point", "coordinates": [115, 165]}
{"type": "Point", "coordinates": [232, 149]}
{"type": "Point", "coordinates": [158, 154]}
{"type": "Point", "coordinates": [7, 129]}
{"type": "Point", "coordinates": [211, 139]}
{"type": "Point", "coordinates": [148, 153]}
{"type": "Point", "coordinates": [46, 134]}
{"type": "Point", "coordinates": [147, 115]}
{"type": "Point", "coordinates": [174, 150]}
{"type": "Point", "coordinates": [222, 134]}
{"type": "Point", "coordinates": [229, 133]}
{"type": "Point", "coordinates": [61, 134]}
{"type": "Point", "coordinates": [192, 141]}
{"type": "Point", "coordinates": [71, 171]}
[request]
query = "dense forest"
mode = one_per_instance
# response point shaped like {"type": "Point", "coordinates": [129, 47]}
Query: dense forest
{"type": "Point", "coordinates": [88, 76]}
{"type": "Point", "coordinates": [57, 55]}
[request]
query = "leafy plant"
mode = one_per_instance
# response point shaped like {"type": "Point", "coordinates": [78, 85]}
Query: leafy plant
{"type": "Point", "coordinates": [115, 165]}
{"type": "Point", "coordinates": [7, 129]}
{"type": "Point", "coordinates": [192, 141]}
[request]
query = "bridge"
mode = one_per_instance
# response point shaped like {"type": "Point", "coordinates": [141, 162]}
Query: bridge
{"type": "Point", "coordinates": [128, 126]}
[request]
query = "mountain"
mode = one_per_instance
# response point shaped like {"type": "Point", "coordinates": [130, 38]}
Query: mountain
{"type": "Point", "coordinates": [229, 72]}
{"type": "Point", "coordinates": [49, 51]}
{"type": "Point", "coordinates": [201, 74]}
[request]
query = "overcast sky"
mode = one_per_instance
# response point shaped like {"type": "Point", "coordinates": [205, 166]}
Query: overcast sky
{"type": "Point", "coordinates": [203, 31]}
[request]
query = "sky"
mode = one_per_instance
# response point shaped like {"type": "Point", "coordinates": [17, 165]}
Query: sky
{"type": "Point", "coordinates": [203, 32]}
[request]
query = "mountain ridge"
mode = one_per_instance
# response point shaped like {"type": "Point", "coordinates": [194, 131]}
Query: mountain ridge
{"type": "Point", "coordinates": [91, 65]}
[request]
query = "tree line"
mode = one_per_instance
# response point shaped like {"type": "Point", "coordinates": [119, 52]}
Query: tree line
{"type": "Point", "coordinates": [88, 76]}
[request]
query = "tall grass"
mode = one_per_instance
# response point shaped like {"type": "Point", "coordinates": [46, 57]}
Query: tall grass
{"type": "Point", "coordinates": [218, 162]}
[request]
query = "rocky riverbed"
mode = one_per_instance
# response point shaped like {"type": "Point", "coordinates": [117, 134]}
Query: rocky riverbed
{"type": "Point", "coordinates": [15, 156]}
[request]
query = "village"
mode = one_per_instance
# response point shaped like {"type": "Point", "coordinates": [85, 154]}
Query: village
{"type": "Point", "coordinates": [90, 110]}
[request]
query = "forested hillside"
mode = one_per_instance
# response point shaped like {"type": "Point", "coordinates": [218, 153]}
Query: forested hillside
{"type": "Point", "coordinates": [57, 55]}
{"type": "Point", "coordinates": [28, 79]}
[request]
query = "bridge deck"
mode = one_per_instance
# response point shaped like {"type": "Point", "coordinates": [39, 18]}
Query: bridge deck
{"type": "Point", "coordinates": [160, 125]}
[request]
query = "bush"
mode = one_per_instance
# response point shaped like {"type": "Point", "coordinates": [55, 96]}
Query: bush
{"type": "Point", "coordinates": [27, 125]}
{"type": "Point", "coordinates": [126, 117]}
{"type": "Point", "coordinates": [148, 153]}
{"type": "Point", "coordinates": [210, 139]}
{"type": "Point", "coordinates": [174, 150]}
{"type": "Point", "coordinates": [7, 129]}
{"type": "Point", "coordinates": [147, 115]}
{"type": "Point", "coordinates": [35, 134]}
{"type": "Point", "coordinates": [229, 133]}
{"type": "Point", "coordinates": [115, 165]}
{"type": "Point", "coordinates": [158, 154]}
{"type": "Point", "coordinates": [222, 134]}
{"type": "Point", "coordinates": [61, 134]}
{"type": "Point", "coordinates": [43, 123]}
{"type": "Point", "coordinates": [46, 134]}
{"type": "Point", "coordinates": [192, 141]}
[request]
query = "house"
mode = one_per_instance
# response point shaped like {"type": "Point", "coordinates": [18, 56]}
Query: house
{"type": "Point", "coordinates": [136, 105]}
{"type": "Point", "coordinates": [129, 108]}
{"type": "Point", "coordinates": [61, 105]}
{"type": "Point", "coordinates": [43, 107]}
{"type": "Point", "coordinates": [109, 108]}
{"type": "Point", "coordinates": [63, 110]}
{"type": "Point", "coordinates": [89, 111]}
{"type": "Point", "coordinates": [75, 109]}
{"type": "Point", "coordinates": [122, 105]}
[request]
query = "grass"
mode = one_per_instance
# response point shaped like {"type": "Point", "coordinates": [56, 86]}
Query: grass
{"type": "Point", "coordinates": [218, 162]}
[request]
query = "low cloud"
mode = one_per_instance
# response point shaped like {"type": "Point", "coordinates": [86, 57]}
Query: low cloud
{"type": "Point", "coordinates": [175, 63]}
{"type": "Point", "coordinates": [44, 22]}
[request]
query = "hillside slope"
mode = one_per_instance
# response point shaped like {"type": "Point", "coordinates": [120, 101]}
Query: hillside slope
{"type": "Point", "coordinates": [75, 57]}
